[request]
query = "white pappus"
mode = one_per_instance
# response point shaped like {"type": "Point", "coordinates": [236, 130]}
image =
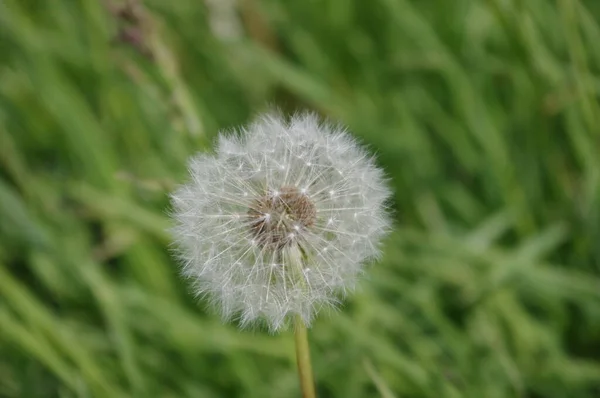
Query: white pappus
{"type": "Point", "coordinates": [280, 220]}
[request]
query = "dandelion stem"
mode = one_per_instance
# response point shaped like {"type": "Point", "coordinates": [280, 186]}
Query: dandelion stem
{"type": "Point", "coordinates": [303, 359]}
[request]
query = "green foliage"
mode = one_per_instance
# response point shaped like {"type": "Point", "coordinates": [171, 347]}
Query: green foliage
{"type": "Point", "coordinates": [485, 114]}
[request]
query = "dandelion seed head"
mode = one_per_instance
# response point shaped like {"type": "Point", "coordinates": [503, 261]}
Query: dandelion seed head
{"type": "Point", "coordinates": [280, 220]}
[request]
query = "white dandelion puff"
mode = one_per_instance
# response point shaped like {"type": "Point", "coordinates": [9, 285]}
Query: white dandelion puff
{"type": "Point", "coordinates": [280, 220]}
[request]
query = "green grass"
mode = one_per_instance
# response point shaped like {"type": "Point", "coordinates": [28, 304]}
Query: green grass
{"type": "Point", "coordinates": [485, 115]}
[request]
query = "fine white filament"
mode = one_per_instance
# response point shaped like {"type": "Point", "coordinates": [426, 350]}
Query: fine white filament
{"type": "Point", "coordinates": [280, 220]}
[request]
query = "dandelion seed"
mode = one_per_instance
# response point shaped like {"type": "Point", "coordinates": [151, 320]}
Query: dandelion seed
{"type": "Point", "coordinates": [280, 220]}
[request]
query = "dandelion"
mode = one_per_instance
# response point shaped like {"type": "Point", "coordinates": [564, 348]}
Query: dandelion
{"type": "Point", "coordinates": [280, 220]}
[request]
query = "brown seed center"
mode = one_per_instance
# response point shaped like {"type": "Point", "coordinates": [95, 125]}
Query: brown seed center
{"type": "Point", "coordinates": [277, 218]}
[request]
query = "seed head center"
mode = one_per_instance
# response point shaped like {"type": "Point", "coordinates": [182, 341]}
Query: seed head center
{"type": "Point", "coordinates": [279, 216]}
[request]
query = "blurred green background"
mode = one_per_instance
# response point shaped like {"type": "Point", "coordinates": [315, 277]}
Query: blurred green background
{"type": "Point", "coordinates": [484, 113]}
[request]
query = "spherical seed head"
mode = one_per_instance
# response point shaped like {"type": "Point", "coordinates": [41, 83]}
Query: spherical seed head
{"type": "Point", "coordinates": [280, 220]}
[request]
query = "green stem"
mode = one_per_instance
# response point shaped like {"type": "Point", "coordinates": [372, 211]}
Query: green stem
{"type": "Point", "coordinates": [303, 359]}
